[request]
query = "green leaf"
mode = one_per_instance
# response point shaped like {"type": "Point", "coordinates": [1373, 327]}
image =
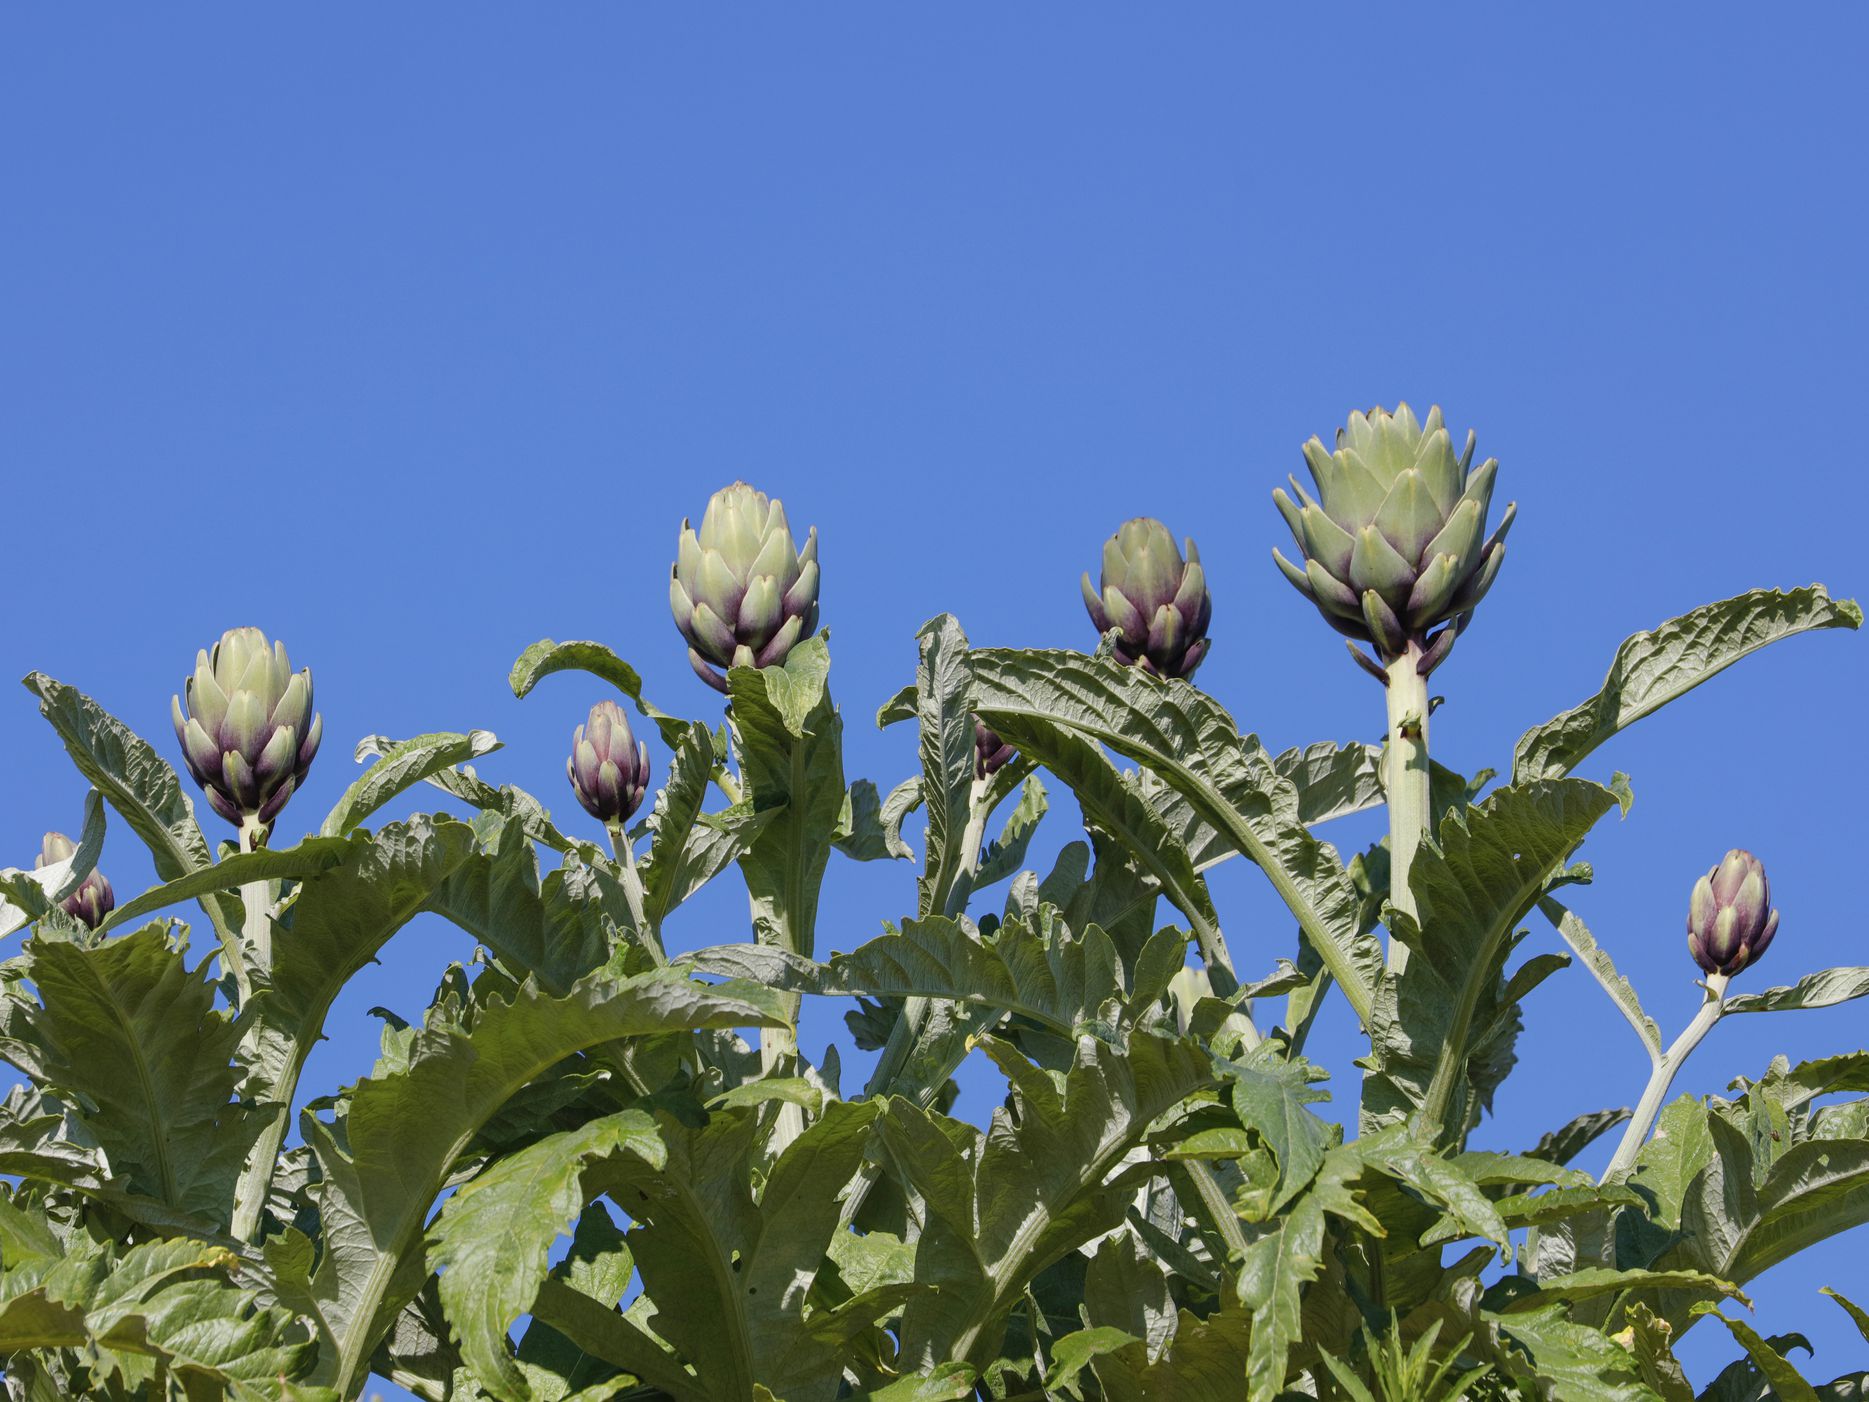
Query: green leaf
{"type": "Point", "coordinates": [1272, 1097]}
{"type": "Point", "coordinates": [132, 1040]}
{"type": "Point", "coordinates": [308, 859]}
{"type": "Point", "coordinates": [1574, 1361]}
{"type": "Point", "coordinates": [1822, 990]}
{"type": "Point", "coordinates": [399, 765]}
{"type": "Point", "coordinates": [1595, 1281]}
{"type": "Point", "coordinates": [791, 757]}
{"type": "Point", "coordinates": [1563, 1144]}
{"type": "Point", "coordinates": [861, 833]}
{"type": "Point", "coordinates": [403, 1132]}
{"type": "Point", "coordinates": [1788, 1385]}
{"type": "Point", "coordinates": [1007, 853]}
{"type": "Point", "coordinates": [1471, 890]}
{"type": "Point", "coordinates": [946, 748]}
{"type": "Point", "coordinates": [1603, 969]}
{"type": "Point", "coordinates": [142, 787]}
{"type": "Point", "coordinates": [1858, 1315]}
{"type": "Point", "coordinates": [491, 1240]}
{"type": "Point", "coordinates": [546, 657]}
{"type": "Point", "coordinates": [1040, 1183]}
{"type": "Point", "coordinates": [689, 848]}
{"type": "Point", "coordinates": [1190, 743]}
{"type": "Point", "coordinates": [26, 896]}
{"type": "Point", "coordinates": [731, 1268]}
{"type": "Point", "coordinates": [1654, 668]}
{"type": "Point", "coordinates": [1333, 781]}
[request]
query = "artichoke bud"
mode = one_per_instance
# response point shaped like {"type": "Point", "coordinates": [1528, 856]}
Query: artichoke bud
{"type": "Point", "coordinates": [246, 727]}
{"type": "Point", "coordinates": [990, 753]}
{"type": "Point", "coordinates": [1156, 599]}
{"type": "Point", "coordinates": [1730, 920]}
{"type": "Point", "coordinates": [1394, 547]}
{"type": "Point", "coordinates": [742, 593]}
{"type": "Point", "coordinates": [93, 899]}
{"type": "Point", "coordinates": [608, 767]}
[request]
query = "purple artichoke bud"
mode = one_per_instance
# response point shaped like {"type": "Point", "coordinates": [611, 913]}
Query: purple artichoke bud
{"type": "Point", "coordinates": [609, 767]}
{"type": "Point", "coordinates": [1395, 546]}
{"type": "Point", "coordinates": [990, 753]}
{"type": "Point", "coordinates": [93, 899]}
{"type": "Point", "coordinates": [1730, 920]}
{"type": "Point", "coordinates": [742, 593]}
{"type": "Point", "coordinates": [246, 726]}
{"type": "Point", "coordinates": [1159, 602]}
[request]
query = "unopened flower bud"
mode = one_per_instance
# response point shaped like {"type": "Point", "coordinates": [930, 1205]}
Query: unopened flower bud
{"type": "Point", "coordinates": [1730, 920]}
{"type": "Point", "coordinates": [990, 753]}
{"type": "Point", "coordinates": [1157, 600]}
{"type": "Point", "coordinates": [246, 726]}
{"type": "Point", "coordinates": [93, 899]}
{"type": "Point", "coordinates": [609, 766]}
{"type": "Point", "coordinates": [742, 593]}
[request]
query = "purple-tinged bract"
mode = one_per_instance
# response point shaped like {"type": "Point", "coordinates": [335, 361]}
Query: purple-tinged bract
{"type": "Point", "coordinates": [93, 899]}
{"type": "Point", "coordinates": [1157, 600]}
{"type": "Point", "coordinates": [990, 753]}
{"type": "Point", "coordinates": [741, 591]}
{"type": "Point", "coordinates": [609, 766]}
{"type": "Point", "coordinates": [1730, 920]}
{"type": "Point", "coordinates": [246, 726]}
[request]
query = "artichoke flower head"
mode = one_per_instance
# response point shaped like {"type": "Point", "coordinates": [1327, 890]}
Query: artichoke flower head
{"type": "Point", "coordinates": [245, 723]}
{"type": "Point", "coordinates": [93, 899]}
{"type": "Point", "coordinates": [1394, 547]}
{"type": "Point", "coordinates": [742, 592]}
{"type": "Point", "coordinates": [608, 766]}
{"type": "Point", "coordinates": [1730, 919]}
{"type": "Point", "coordinates": [1155, 599]}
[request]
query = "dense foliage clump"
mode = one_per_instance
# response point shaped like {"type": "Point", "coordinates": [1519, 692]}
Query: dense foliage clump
{"type": "Point", "coordinates": [1156, 1212]}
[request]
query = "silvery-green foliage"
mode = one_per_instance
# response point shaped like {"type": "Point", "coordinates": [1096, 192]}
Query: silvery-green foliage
{"type": "Point", "coordinates": [597, 1163]}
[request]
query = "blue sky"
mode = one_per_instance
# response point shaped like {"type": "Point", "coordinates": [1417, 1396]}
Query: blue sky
{"type": "Point", "coordinates": [411, 335]}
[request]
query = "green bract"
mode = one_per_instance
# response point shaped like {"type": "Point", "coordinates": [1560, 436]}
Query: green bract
{"type": "Point", "coordinates": [1395, 545]}
{"type": "Point", "coordinates": [743, 594]}
{"type": "Point", "coordinates": [246, 727]}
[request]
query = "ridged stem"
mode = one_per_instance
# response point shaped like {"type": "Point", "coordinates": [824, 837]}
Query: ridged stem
{"type": "Point", "coordinates": [256, 934]}
{"type": "Point", "coordinates": [1643, 1120]}
{"type": "Point", "coordinates": [1405, 777]}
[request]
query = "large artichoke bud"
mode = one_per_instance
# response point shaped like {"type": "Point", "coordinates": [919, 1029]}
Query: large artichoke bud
{"type": "Point", "coordinates": [741, 591]}
{"type": "Point", "coordinates": [246, 726]}
{"type": "Point", "coordinates": [93, 899]}
{"type": "Point", "coordinates": [1730, 919]}
{"type": "Point", "coordinates": [609, 766]}
{"type": "Point", "coordinates": [990, 753]}
{"type": "Point", "coordinates": [1158, 601]}
{"type": "Point", "coordinates": [1395, 547]}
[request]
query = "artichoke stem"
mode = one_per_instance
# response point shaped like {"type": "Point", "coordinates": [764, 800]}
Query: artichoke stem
{"type": "Point", "coordinates": [1649, 1106]}
{"type": "Point", "coordinates": [1405, 775]}
{"type": "Point", "coordinates": [625, 853]}
{"type": "Point", "coordinates": [257, 928]}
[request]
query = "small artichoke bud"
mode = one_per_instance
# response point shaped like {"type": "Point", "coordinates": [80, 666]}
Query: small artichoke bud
{"type": "Point", "coordinates": [742, 593]}
{"type": "Point", "coordinates": [990, 753]}
{"type": "Point", "coordinates": [93, 899]}
{"type": "Point", "coordinates": [246, 726]}
{"type": "Point", "coordinates": [1730, 920]}
{"type": "Point", "coordinates": [1395, 546]}
{"type": "Point", "coordinates": [609, 766]}
{"type": "Point", "coordinates": [1159, 602]}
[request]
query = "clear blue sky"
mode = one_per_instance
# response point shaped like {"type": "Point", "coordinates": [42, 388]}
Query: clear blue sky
{"type": "Point", "coordinates": [411, 334]}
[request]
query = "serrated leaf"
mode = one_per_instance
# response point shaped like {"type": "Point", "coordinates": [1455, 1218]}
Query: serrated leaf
{"type": "Point", "coordinates": [1567, 1141]}
{"type": "Point", "coordinates": [1788, 1385]}
{"type": "Point", "coordinates": [546, 657]}
{"type": "Point", "coordinates": [1007, 852]}
{"type": "Point", "coordinates": [404, 1131]}
{"type": "Point", "coordinates": [945, 745]}
{"type": "Point", "coordinates": [1191, 744]}
{"type": "Point", "coordinates": [861, 835]}
{"type": "Point", "coordinates": [491, 1239]}
{"type": "Point", "coordinates": [1471, 889]}
{"type": "Point", "coordinates": [399, 765]}
{"type": "Point", "coordinates": [1595, 1281]}
{"type": "Point", "coordinates": [1272, 1097]}
{"type": "Point", "coordinates": [1654, 668]}
{"type": "Point", "coordinates": [1603, 969]}
{"type": "Point", "coordinates": [142, 787]}
{"type": "Point", "coordinates": [1822, 990]}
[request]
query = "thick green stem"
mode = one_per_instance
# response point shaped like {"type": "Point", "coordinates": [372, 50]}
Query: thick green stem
{"type": "Point", "coordinates": [1405, 775]}
{"type": "Point", "coordinates": [625, 853]}
{"type": "Point", "coordinates": [256, 936]}
{"type": "Point", "coordinates": [1636, 1134]}
{"type": "Point", "coordinates": [256, 929]}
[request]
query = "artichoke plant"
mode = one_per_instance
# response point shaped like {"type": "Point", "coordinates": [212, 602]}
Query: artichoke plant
{"type": "Point", "coordinates": [1730, 920]}
{"type": "Point", "coordinates": [1157, 600]}
{"type": "Point", "coordinates": [609, 766]}
{"type": "Point", "coordinates": [1395, 546]}
{"type": "Point", "coordinates": [990, 753]}
{"type": "Point", "coordinates": [93, 899]}
{"type": "Point", "coordinates": [246, 727]}
{"type": "Point", "coordinates": [742, 592]}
